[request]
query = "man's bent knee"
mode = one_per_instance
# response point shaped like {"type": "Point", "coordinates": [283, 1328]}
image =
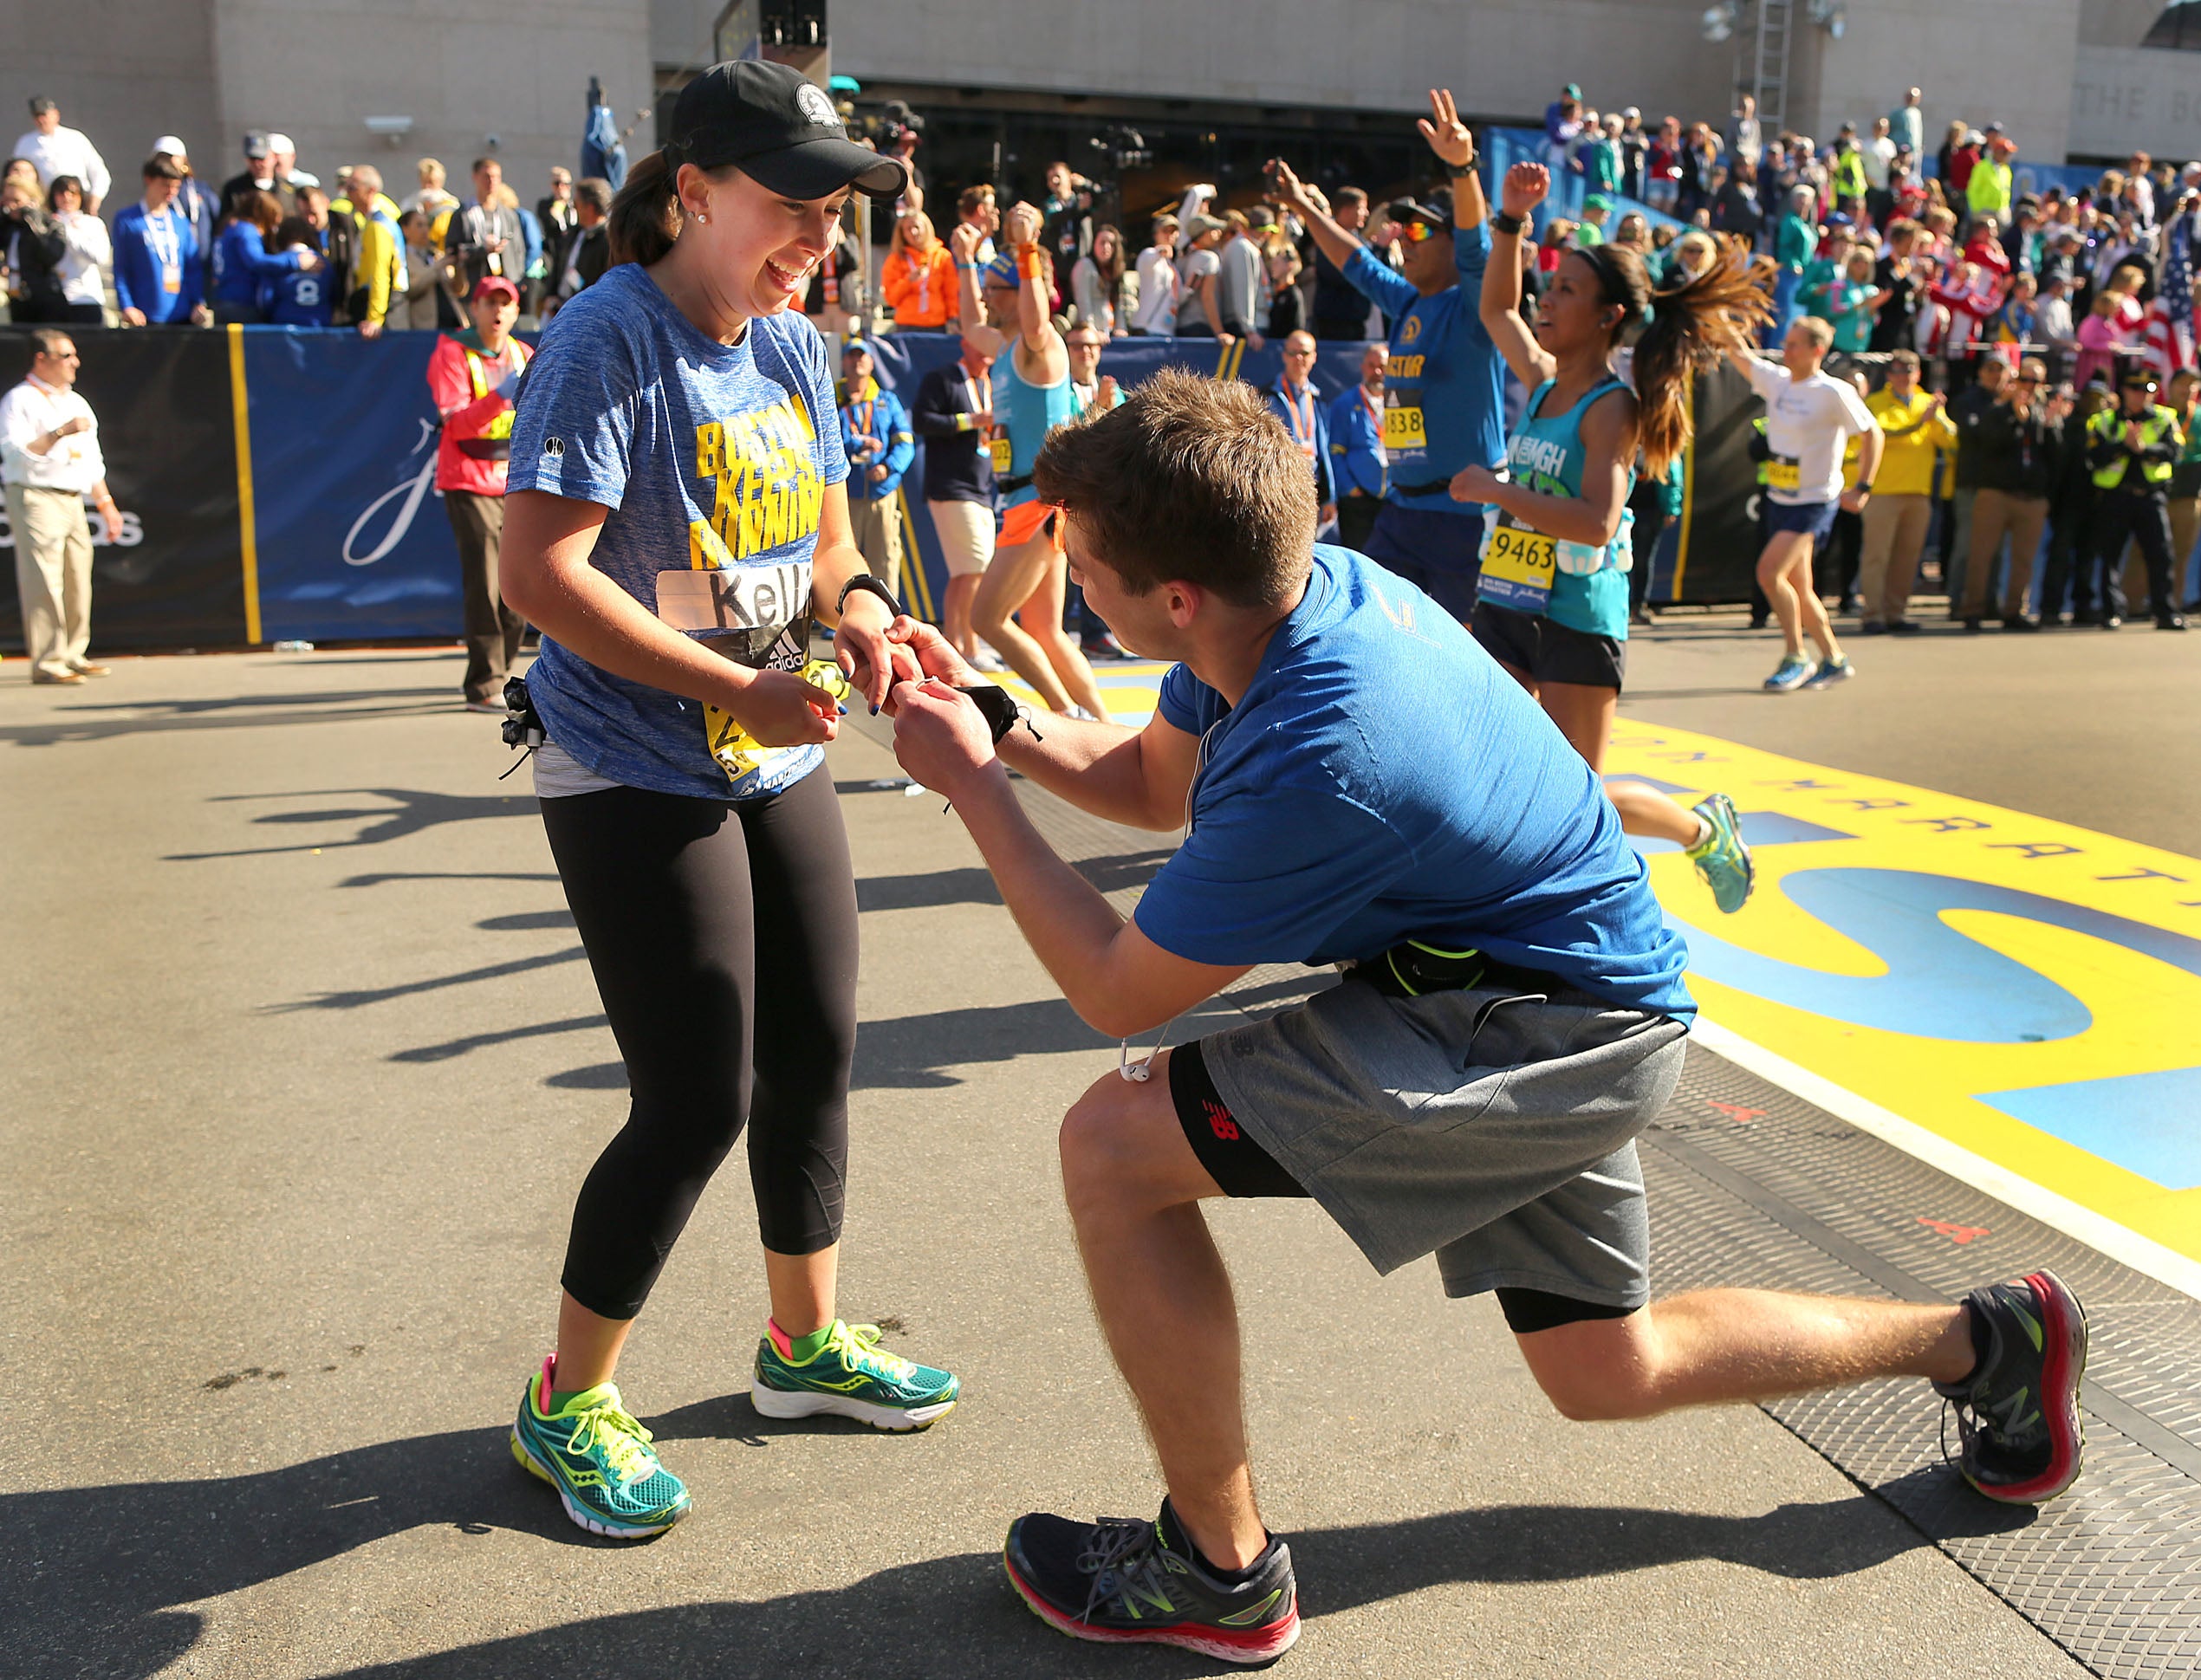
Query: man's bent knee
{"type": "Point", "coordinates": [1123, 1151]}
{"type": "Point", "coordinates": [1596, 1371]}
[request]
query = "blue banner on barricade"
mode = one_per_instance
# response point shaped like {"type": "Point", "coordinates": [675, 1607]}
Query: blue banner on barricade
{"type": "Point", "coordinates": [352, 536]}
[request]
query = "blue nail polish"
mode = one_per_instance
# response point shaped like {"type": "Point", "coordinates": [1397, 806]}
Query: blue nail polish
{"type": "Point", "coordinates": [874, 711]}
{"type": "Point", "coordinates": [843, 711]}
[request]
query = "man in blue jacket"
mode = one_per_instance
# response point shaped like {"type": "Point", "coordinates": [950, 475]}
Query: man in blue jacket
{"type": "Point", "coordinates": [1444, 382]}
{"type": "Point", "coordinates": [1308, 418]}
{"type": "Point", "coordinates": [875, 430]}
{"type": "Point", "coordinates": [1359, 471]}
{"type": "Point", "coordinates": [159, 275]}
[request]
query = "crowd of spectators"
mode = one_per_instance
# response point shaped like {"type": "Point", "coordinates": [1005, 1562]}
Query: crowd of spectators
{"type": "Point", "coordinates": [274, 245]}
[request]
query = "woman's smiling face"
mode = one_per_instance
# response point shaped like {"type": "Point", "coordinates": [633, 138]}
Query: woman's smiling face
{"type": "Point", "coordinates": [760, 246]}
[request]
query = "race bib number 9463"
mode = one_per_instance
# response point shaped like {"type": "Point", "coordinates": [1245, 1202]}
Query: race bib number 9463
{"type": "Point", "coordinates": [1517, 568]}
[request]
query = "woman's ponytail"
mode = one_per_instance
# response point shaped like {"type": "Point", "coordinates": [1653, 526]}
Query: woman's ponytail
{"type": "Point", "coordinates": [645, 216]}
{"type": "Point", "coordinates": [1693, 327]}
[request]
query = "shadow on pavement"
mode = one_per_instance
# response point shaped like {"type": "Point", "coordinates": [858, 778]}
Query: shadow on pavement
{"type": "Point", "coordinates": [410, 812]}
{"type": "Point", "coordinates": [931, 891]}
{"type": "Point", "coordinates": [92, 1575]}
{"type": "Point", "coordinates": [114, 721]}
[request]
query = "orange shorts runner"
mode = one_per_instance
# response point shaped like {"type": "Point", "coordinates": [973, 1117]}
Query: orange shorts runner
{"type": "Point", "coordinates": [1026, 521]}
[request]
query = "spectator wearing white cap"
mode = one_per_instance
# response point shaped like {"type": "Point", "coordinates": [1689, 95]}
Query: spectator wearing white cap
{"type": "Point", "coordinates": [197, 202]}
{"type": "Point", "coordinates": [284, 153]}
{"type": "Point", "coordinates": [54, 150]}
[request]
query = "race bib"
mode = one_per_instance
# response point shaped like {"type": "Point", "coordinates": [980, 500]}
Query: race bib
{"type": "Point", "coordinates": [1783, 472]}
{"type": "Point", "coordinates": [757, 616]}
{"type": "Point", "coordinates": [1002, 452]}
{"type": "Point", "coordinates": [171, 279]}
{"type": "Point", "coordinates": [1517, 567]}
{"type": "Point", "coordinates": [1403, 429]}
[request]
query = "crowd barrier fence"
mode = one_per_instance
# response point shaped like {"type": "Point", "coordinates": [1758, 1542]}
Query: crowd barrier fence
{"type": "Point", "coordinates": [275, 484]}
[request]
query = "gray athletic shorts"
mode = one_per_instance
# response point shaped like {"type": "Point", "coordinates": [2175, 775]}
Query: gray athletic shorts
{"type": "Point", "coordinates": [1494, 1131]}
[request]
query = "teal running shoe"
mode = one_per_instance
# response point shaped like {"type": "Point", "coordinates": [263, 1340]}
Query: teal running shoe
{"type": "Point", "coordinates": [1723, 861]}
{"type": "Point", "coordinates": [599, 1459]}
{"type": "Point", "coordinates": [851, 1377]}
{"type": "Point", "coordinates": [1831, 671]}
{"type": "Point", "coordinates": [1794, 670]}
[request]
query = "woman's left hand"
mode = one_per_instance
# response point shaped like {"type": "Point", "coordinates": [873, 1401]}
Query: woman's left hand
{"type": "Point", "coordinates": [873, 663]}
{"type": "Point", "coordinates": [1475, 485]}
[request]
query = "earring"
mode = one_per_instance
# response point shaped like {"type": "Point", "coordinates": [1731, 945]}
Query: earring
{"type": "Point", "coordinates": [700, 216]}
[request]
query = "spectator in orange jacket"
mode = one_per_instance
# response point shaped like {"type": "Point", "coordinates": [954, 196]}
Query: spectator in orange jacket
{"type": "Point", "coordinates": [918, 279]}
{"type": "Point", "coordinates": [472, 378]}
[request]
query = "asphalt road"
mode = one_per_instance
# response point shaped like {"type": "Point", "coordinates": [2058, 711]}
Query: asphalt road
{"type": "Point", "coordinates": [303, 1068]}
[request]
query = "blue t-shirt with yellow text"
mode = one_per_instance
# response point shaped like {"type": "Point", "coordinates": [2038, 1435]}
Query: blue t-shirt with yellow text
{"type": "Point", "coordinates": [714, 460]}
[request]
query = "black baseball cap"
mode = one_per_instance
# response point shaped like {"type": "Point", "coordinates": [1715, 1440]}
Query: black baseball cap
{"type": "Point", "coordinates": [779, 127]}
{"type": "Point", "coordinates": [1406, 209]}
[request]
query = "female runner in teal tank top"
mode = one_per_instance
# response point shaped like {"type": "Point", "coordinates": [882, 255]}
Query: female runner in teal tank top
{"type": "Point", "coordinates": [1552, 604]}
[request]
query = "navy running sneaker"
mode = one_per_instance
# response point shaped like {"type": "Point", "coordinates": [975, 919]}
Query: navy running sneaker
{"type": "Point", "coordinates": [1723, 861]}
{"type": "Point", "coordinates": [1126, 1580]}
{"type": "Point", "coordinates": [1793, 672]}
{"type": "Point", "coordinates": [2018, 1413]}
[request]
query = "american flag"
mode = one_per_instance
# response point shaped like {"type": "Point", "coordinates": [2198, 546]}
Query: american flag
{"type": "Point", "coordinates": [2170, 318]}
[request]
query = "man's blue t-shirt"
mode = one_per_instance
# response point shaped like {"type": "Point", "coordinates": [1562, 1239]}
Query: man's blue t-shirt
{"type": "Point", "coordinates": [714, 460]}
{"type": "Point", "coordinates": [1383, 779]}
{"type": "Point", "coordinates": [1443, 383]}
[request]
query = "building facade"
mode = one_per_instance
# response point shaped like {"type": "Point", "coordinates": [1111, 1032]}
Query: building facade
{"type": "Point", "coordinates": [1227, 78]}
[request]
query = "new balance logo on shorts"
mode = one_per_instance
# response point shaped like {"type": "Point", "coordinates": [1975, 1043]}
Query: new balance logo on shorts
{"type": "Point", "coordinates": [1219, 1121]}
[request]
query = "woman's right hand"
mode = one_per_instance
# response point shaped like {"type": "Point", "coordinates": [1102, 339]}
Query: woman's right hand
{"type": "Point", "coordinates": [1523, 189]}
{"type": "Point", "coordinates": [779, 708]}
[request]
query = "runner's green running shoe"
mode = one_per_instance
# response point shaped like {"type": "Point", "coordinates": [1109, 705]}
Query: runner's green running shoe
{"type": "Point", "coordinates": [599, 1461]}
{"type": "Point", "coordinates": [851, 1377]}
{"type": "Point", "coordinates": [2018, 1413]}
{"type": "Point", "coordinates": [1723, 860]}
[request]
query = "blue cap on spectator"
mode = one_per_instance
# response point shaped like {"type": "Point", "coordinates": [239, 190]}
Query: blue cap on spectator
{"type": "Point", "coordinates": [1840, 219]}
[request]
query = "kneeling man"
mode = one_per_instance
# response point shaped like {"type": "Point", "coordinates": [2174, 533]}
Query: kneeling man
{"type": "Point", "coordinates": [1363, 786]}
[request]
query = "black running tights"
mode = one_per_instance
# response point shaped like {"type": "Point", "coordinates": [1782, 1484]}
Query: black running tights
{"type": "Point", "coordinates": [722, 938]}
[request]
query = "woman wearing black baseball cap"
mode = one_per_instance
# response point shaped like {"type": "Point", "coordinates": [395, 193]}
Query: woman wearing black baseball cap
{"type": "Point", "coordinates": [675, 519]}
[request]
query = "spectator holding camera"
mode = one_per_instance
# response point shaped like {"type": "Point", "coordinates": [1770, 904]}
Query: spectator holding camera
{"type": "Point", "coordinates": [159, 274]}
{"type": "Point", "coordinates": [1066, 229]}
{"type": "Point", "coordinates": [35, 246]}
{"type": "Point", "coordinates": [1160, 289]}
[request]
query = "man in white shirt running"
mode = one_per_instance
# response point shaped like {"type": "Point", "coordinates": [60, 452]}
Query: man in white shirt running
{"type": "Point", "coordinates": [54, 150]}
{"type": "Point", "coordinates": [1808, 417]}
{"type": "Point", "coordinates": [49, 457]}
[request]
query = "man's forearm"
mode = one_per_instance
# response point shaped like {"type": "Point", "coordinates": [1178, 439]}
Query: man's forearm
{"type": "Point", "coordinates": [1063, 917]}
{"type": "Point", "coordinates": [1096, 767]}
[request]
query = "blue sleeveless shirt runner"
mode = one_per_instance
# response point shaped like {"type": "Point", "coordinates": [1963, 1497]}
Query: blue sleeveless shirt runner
{"type": "Point", "coordinates": [1030, 412]}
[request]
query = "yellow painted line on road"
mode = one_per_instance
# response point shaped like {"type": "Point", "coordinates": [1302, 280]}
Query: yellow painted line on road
{"type": "Point", "coordinates": [2021, 992]}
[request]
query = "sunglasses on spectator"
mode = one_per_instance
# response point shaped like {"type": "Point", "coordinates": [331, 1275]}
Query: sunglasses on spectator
{"type": "Point", "coordinates": [1417, 232]}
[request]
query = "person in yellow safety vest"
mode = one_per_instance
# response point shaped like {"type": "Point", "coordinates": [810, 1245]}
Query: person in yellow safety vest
{"type": "Point", "coordinates": [1919, 433]}
{"type": "Point", "coordinates": [2129, 449]}
{"type": "Point", "coordinates": [473, 377]}
{"type": "Point", "coordinates": [378, 265]}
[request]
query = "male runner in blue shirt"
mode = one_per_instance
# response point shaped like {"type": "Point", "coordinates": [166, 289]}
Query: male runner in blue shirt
{"type": "Point", "coordinates": [1367, 786]}
{"type": "Point", "coordinates": [1444, 382]}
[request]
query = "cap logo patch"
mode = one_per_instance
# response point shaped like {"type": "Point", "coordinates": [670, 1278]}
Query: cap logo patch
{"type": "Point", "coordinates": [816, 106]}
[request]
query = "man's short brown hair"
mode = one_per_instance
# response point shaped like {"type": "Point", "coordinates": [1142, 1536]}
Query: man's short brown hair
{"type": "Point", "coordinates": [1189, 478]}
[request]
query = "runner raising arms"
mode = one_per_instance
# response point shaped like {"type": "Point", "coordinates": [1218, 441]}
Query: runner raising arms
{"type": "Point", "coordinates": [1808, 416]}
{"type": "Point", "coordinates": [1552, 605]}
{"type": "Point", "coordinates": [1028, 574]}
{"type": "Point", "coordinates": [1442, 385]}
{"type": "Point", "coordinates": [676, 516]}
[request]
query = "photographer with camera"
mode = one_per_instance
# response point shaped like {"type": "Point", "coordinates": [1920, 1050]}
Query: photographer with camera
{"type": "Point", "coordinates": [1065, 227]}
{"type": "Point", "coordinates": [35, 245]}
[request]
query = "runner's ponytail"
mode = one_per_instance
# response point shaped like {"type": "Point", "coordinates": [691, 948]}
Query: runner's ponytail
{"type": "Point", "coordinates": [646, 217]}
{"type": "Point", "coordinates": [1693, 327]}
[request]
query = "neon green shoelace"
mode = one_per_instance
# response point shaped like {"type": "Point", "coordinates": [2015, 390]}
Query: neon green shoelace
{"type": "Point", "coordinates": [624, 1441]}
{"type": "Point", "coordinates": [864, 1351]}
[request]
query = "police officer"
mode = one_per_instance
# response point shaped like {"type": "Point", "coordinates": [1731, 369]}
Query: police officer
{"type": "Point", "coordinates": [1443, 382]}
{"type": "Point", "coordinates": [2131, 449]}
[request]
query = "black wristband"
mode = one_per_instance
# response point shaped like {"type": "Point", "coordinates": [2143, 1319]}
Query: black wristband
{"type": "Point", "coordinates": [1000, 710]}
{"type": "Point", "coordinates": [866, 580]}
{"type": "Point", "coordinates": [1458, 169]}
{"type": "Point", "coordinates": [1505, 223]}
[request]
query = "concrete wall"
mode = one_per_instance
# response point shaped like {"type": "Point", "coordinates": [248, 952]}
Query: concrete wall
{"type": "Point", "coordinates": [2123, 98]}
{"type": "Point", "coordinates": [1985, 61]}
{"type": "Point", "coordinates": [463, 70]}
{"type": "Point", "coordinates": [124, 71]}
{"type": "Point", "coordinates": [1505, 58]}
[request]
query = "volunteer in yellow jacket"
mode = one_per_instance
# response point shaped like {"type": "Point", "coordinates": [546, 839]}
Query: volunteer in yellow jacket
{"type": "Point", "coordinates": [1918, 431]}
